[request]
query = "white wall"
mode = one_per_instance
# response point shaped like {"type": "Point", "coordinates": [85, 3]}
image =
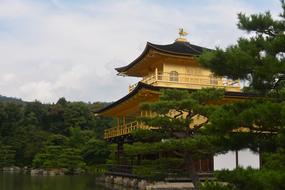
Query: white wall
{"type": "Point", "coordinates": [246, 158]}
{"type": "Point", "coordinates": [225, 161]}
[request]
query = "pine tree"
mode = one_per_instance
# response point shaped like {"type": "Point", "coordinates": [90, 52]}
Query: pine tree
{"type": "Point", "coordinates": [257, 58]}
{"type": "Point", "coordinates": [176, 134]}
{"type": "Point", "coordinates": [259, 124]}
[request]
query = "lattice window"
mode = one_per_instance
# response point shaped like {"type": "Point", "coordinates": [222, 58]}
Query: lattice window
{"type": "Point", "coordinates": [173, 76]}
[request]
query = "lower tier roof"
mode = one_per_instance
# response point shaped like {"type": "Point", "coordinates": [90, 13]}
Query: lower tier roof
{"type": "Point", "coordinates": [145, 87]}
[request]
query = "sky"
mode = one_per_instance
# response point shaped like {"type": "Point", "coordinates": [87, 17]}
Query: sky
{"type": "Point", "coordinates": [69, 48]}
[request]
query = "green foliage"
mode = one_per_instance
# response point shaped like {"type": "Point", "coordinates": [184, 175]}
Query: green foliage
{"type": "Point", "coordinates": [57, 140]}
{"type": "Point", "coordinates": [7, 156]}
{"type": "Point", "coordinates": [112, 159]}
{"type": "Point", "coordinates": [173, 136]}
{"type": "Point", "coordinates": [71, 159]}
{"type": "Point", "coordinates": [261, 119]}
{"type": "Point", "coordinates": [208, 185]}
{"type": "Point", "coordinates": [95, 152]}
{"type": "Point", "coordinates": [274, 161]}
{"type": "Point", "coordinates": [253, 179]}
{"type": "Point", "coordinates": [78, 138]}
{"type": "Point", "coordinates": [141, 135]}
{"type": "Point", "coordinates": [96, 170]}
{"type": "Point", "coordinates": [258, 59]}
{"type": "Point", "coordinates": [182, 103]}
{"type": "Point", "coordinates": [257, 123]}
{"type": "Point", "coordinates": [48, 158]}
{"type": "Point", "coordinates": [37, 134]}
{"type": "Point", "coordinates": [59, 157]}
{"type": "Point", "coordinates": [200, 146]}
{"type": "Point", "coordinates": [159, 169]}
{"type": "Point", "coordinates": [11, 100]}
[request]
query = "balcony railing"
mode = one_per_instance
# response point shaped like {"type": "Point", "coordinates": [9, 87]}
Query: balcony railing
{"type": "Point", "coordinates": [124, 129]}
{"type": "Point", "coordinates": [188, 81]}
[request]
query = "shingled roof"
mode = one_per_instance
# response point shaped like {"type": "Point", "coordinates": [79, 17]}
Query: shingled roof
{"type": "Point", "coordinates": [142, 85]}
{"type": "Point", "coordinates": [183, 48]}
{"type": "Point", "coordinates": [176, 48]}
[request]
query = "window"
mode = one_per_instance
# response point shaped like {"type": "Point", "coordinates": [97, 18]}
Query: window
{"type": "Point", "coordinates": [173, 76]}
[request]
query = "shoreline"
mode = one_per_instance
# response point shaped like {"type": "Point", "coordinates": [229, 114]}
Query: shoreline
{"type": "Point", "coordinates": [41, 171]}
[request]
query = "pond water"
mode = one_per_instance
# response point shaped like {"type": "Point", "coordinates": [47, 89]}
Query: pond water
{"type": "Point", "coordinates": [25, 182]}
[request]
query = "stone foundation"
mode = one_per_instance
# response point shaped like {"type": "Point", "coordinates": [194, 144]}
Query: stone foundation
{"type": "Point", "coordinates": [51, 172]}
{"type": "Point", "coordinates": [12, 169]}
{"type": "Point", "coordinates": [140, 184]}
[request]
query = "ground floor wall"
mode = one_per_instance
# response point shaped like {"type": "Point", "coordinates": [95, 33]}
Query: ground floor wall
{"type": "Point", "coordinates": [242, 158]}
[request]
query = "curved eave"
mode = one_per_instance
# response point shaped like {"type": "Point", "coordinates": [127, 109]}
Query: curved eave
{"type": "Point", "coordinates": [162, 49]}
{"type": "Point", "coordinates": [128, 96]}
{"type": "Point", "coordinates": [229, 95]}
{"type": "Point", "coordinates": [144, 53]}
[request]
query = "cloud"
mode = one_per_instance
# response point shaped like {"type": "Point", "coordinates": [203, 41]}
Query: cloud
{"type": "Point", "coordinates": [51, 49]}
{"type": "Point", "coordinates": [13, 8]}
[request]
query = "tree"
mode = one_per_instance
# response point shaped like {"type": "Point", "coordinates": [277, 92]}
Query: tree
{"type": "Point", "coordinates": [176, 132]}
{"type": "Point", "coordinates": [56, 156]}
{"type": "Point", "coordinates": [257, 123]}
{"type": "Point", "coordinates": [78, 114]}
{"type": "Point", "coordinates": [258, 59]}
{"type": "Point", "coordinates": [48, 157]}
{"type": "Point", "coordinates": [7, 156]}
{"type": "Point", "coordinates": [71, 159]}
{"type": "Point", "coordinates": [32, 131]}
{"type": "Point", "coordinates": [95, 152]}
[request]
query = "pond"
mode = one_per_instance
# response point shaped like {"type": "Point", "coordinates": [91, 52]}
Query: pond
{"type": "Point", "coordinates": [10, 181]}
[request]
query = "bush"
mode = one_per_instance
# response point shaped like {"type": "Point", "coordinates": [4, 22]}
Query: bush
{"type": "Point", "coordinates": [215, 186]}
{"type": "Point", "coordinates": [263, 179]}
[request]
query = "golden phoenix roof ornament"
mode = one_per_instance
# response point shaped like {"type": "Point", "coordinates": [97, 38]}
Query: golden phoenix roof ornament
{"type": "Point", "coordinates": [182, 33]}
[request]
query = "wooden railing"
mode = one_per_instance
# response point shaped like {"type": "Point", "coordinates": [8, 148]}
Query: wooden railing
{"type": "Point", "coordinates": [189, 81]}
{"type": "Point", "coordinates": [124, 129]}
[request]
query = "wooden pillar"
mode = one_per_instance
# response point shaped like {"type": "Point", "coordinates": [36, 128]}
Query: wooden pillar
{"type": "Point", "coordinates": [118, 121]}
{"type": "Point", "coordinates": [236, 158]}
{"type": "Point", "coordinates": [156, 74]}
{"type": "Point", "coordinates": [124, 120]}
{"type": "Point", "coordinates": [138, 159]}
{"type": "Point", "coordinates": [211, 164]}
{"type": "Point", "coordinates": [260, 158]}
{"type": "Point", "coordinates": [120, 151]}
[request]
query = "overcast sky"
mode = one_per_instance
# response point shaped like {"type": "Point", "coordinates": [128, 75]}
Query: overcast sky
{"type": "Point", "coordinates": [69, 48]}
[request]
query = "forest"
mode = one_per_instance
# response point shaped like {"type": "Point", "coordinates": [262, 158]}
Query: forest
{"type": "Point", "coordinates": [60, 135]}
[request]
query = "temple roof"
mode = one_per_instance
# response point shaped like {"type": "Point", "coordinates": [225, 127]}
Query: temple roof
{"type": "Point", "coordinates": [141, 85]}
{"type": "Point", "coordinates": [184, 48]}
{"type": "Point", "coordinates": [128, 96]}
{"type": "Point", "coordinates": [176, 48]}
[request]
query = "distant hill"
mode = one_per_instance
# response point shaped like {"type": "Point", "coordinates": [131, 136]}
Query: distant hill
{"type": "Point", "coordinates": [10, 99]}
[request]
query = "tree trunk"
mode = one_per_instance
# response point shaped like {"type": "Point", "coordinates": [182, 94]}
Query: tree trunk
{"type": "Point", "coordinates": [190, 166]}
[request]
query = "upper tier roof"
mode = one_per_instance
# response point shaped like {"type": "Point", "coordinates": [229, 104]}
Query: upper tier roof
{"type": "Point", "coordinates": [176, 48]}
{"type": "Point", "coordinates": [183, 48]}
